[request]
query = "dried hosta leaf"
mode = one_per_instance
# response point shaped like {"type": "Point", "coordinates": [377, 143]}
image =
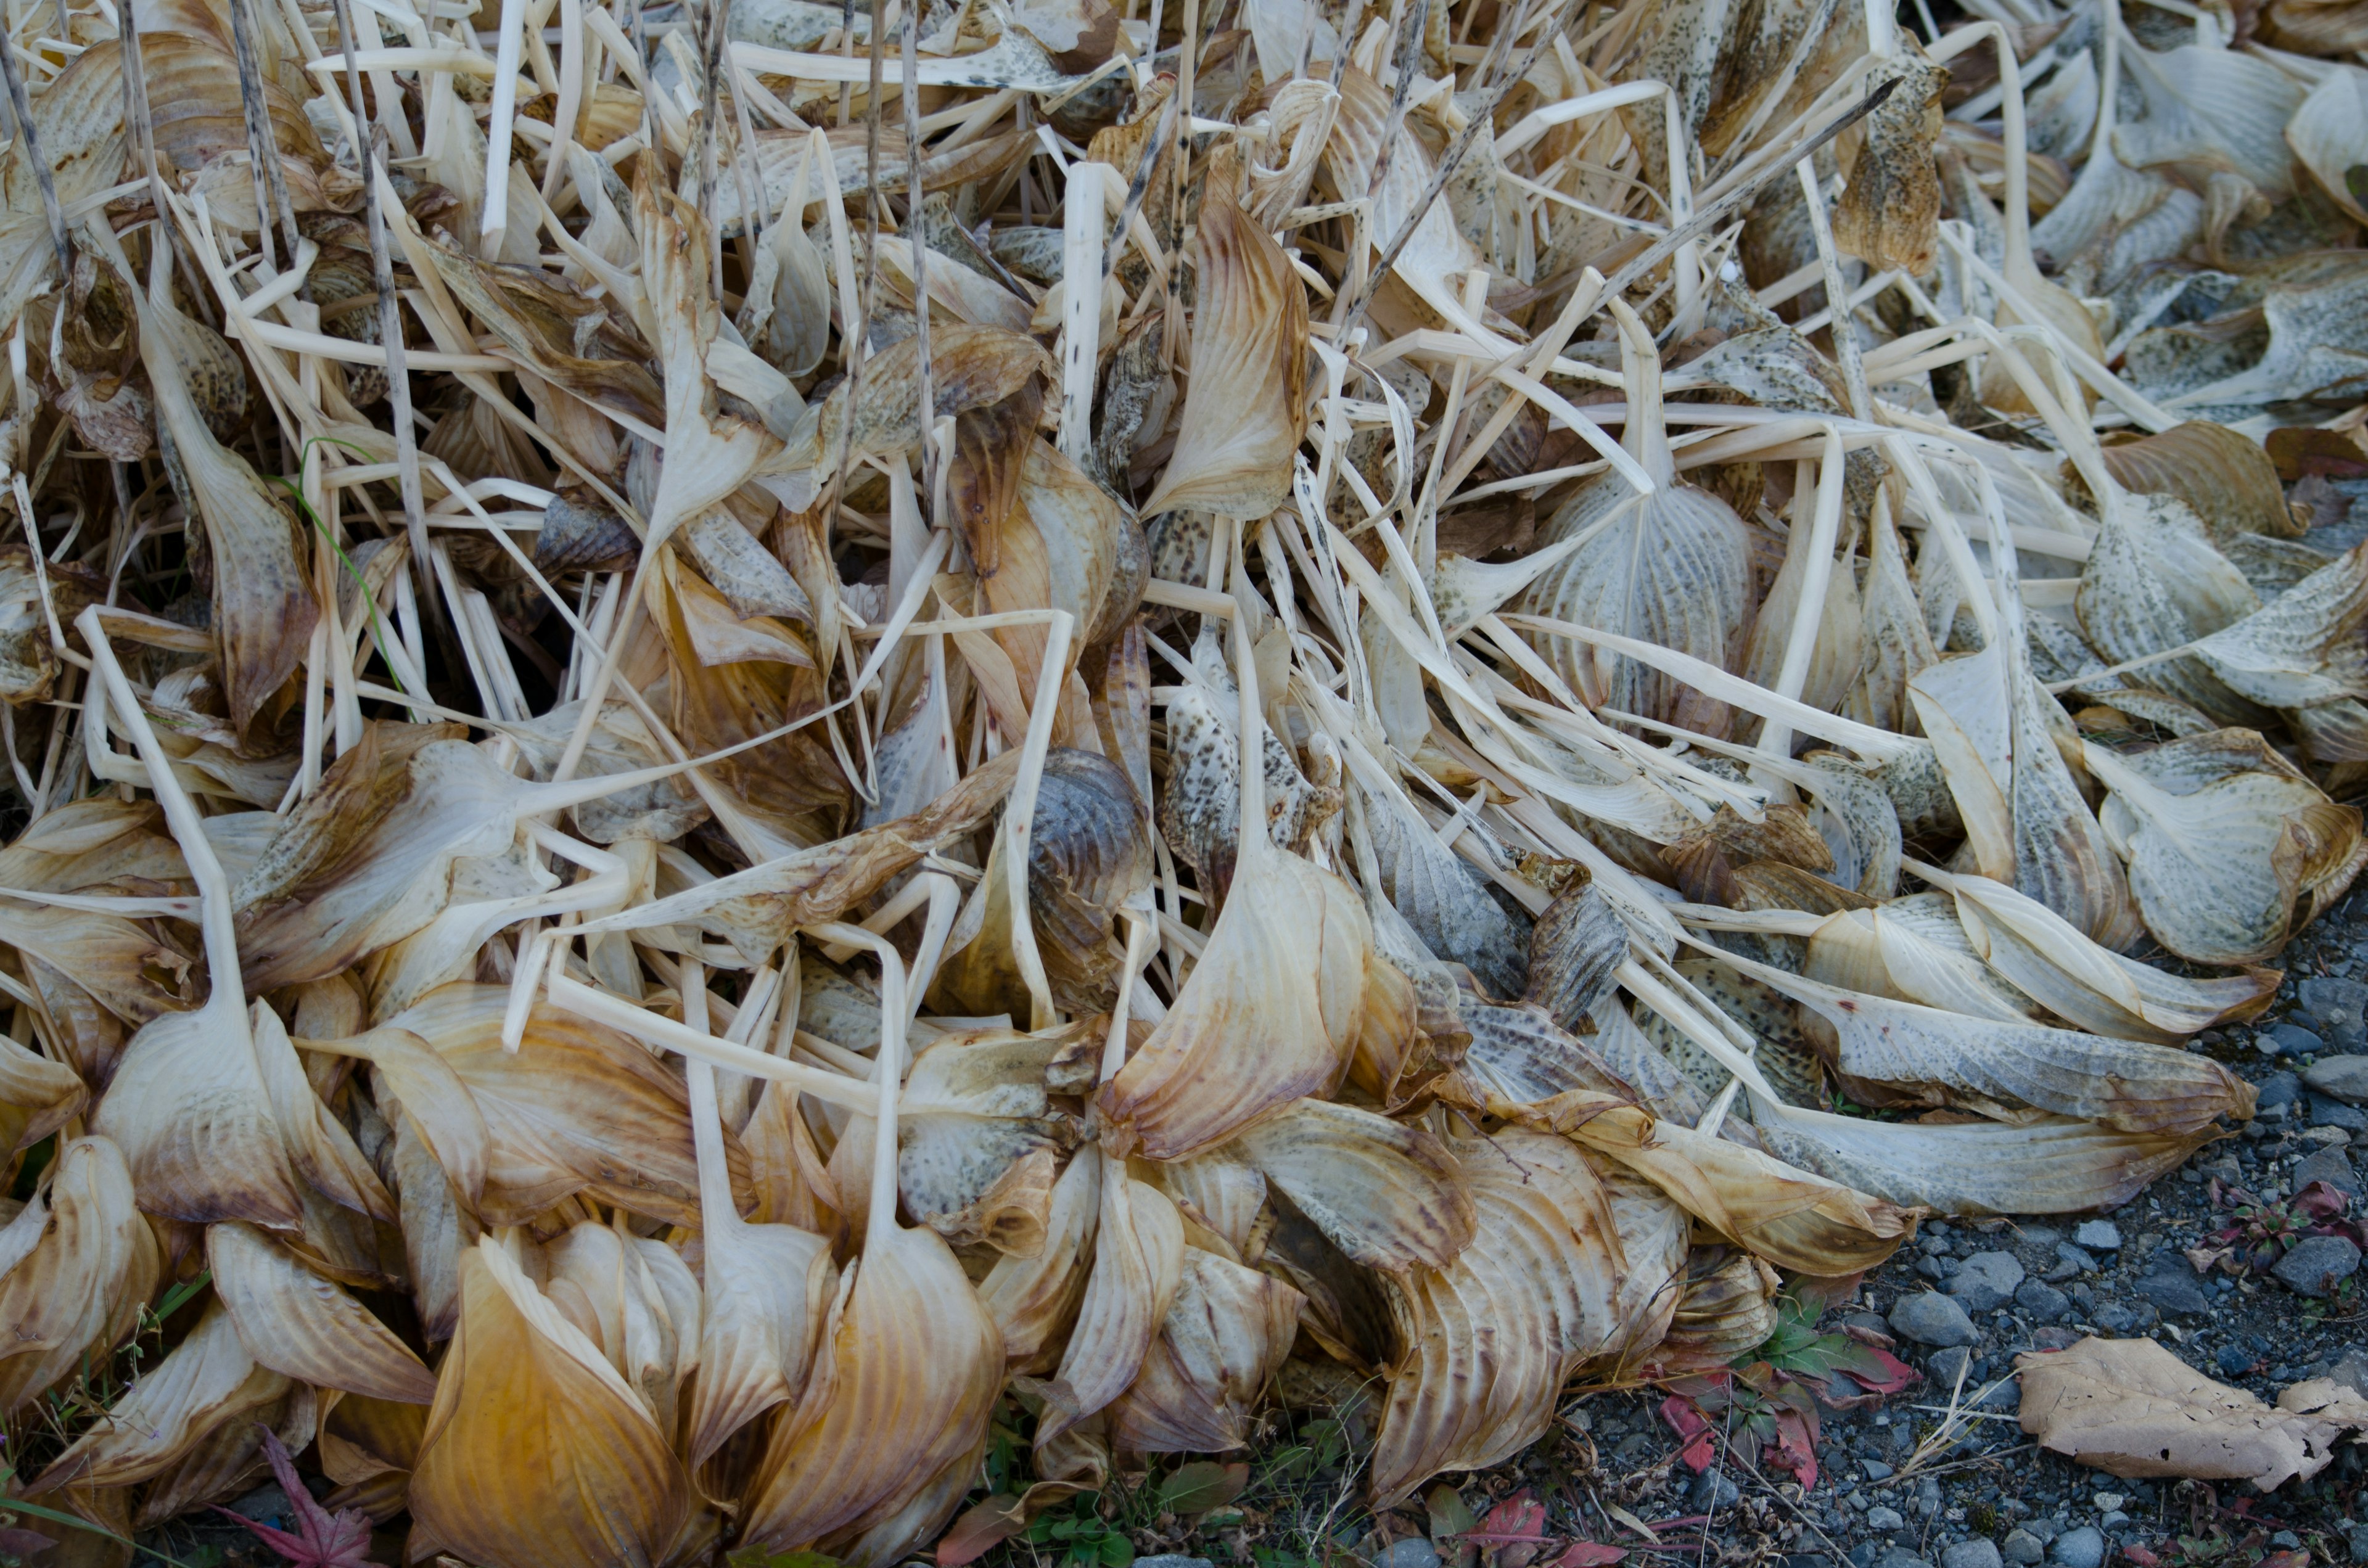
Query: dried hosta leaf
{"type": "Point", "coordinates": [36, 1097]}
{"type": "Point", "coordinates": [1890, 208]}
{"type": "Point", "coordinates": [978, 1139]}
{"type": "Point", "coordinates": [903, 1383]}
{"type": "Point", "coordinates": [1269, 1015]}
{"type": "Point", "coordinates": [2131, 1408]}
{"type": "Point", "coordinates": [1913, 949]}
{"type": "Point", "coordinates": [2125, 1084]}
{"type": "Point", "coordinates": [1520, 1057]}
{"type": "Point", "coordinates": [541, 319]}
{"type": "Point", "coordinates": [1793, 1218]}
{"type": "Point", "coordinates": [2090, 985]}
{"type": "Point", "coordinates": [2155, 582]}
{"type": "Point", "coordinates": [77, 1262]}
{"type": "Point", "coordinates": [1574, 948]}
{"type": "Point", "coordinates": [1654, 1234]}
{"type": "Point", "coordinates": [576, 1108]}
{"type": "Point", "coordinates": [294, 1321]}
{"type": "Point", "coordinates": [1670, 568]}
{"type": "Point", "coordinates": [2303, 649]}
{"type": "Point", "coordinates": [2222, 839]}
{"type": "Point", "coordinates": [2229, 481]}
{"type": "Point", "coordinates": [2211, 110]}
{"type": "Point", "coordinates": [1033, 1299]}
{"type": "Point", "coordinates": [581, 532]}
{"type": "Point", "coordinates": [2050, 1165]}
{"type": "Point", "coordinates": [1088, 852]}
{"type": "Point", "coordinates": [190, 1109]}
{"type": "Point", "coordinates": [970, 367]}
{"type": "Point", "coordinates": [208, 1382]}
{"type": "Point", "coordinates": [1245, 404]}
{"type": "Point", "coordinates": [263, 605]}
{"type": "Point", "coordinates": [1388, 1194]}
{"type": "Point", "coordinates": [1200, 810]}
{"type": "Point", "coordinates": [1138, 1258]}
{"type": "Point", "coordinates": [1492, 1336]}
{"type": "Point", "coordinates": [755, 909]}
{"type": "Point", "coordinates": [1227, 1331]}
{"type": "Point", "coordinates": [1728, 1306]}
{"type": "Point", "coordinates": [634, 1298]}
{"type": "Point", "coordinates": [537, 1449]}
{"type": "Point", "coordinates": [2328, 130]}
{"type": "Point", "coordinates": [1443, 898]}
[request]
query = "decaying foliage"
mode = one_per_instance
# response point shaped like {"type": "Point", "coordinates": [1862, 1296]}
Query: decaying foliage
{"type": "Point", "coordinates": [737, 730]}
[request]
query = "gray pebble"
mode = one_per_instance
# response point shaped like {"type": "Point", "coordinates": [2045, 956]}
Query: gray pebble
{"type": "Point", "coordinates": [2332, 1167]}
{"type": "Point", "coordinates": [1412, 1552]}
{"type": "Point", "coordinates": [1875, 1470]}
{"type": "Point", "coordinates": [1178, 1560]}
{"type": "Point", "coordinates": [2042, 1303]}
{"type": "Point", "coordinates": [1943, 1366]}
{"type": "Point", "coordinates": [1978, 1552]}
{"type": "Point", "coordinates": [2173, 1288]}
{"type": "Point", "coordinates": [2326, 1111]}
{"type": "Point", "coordinates": [2115, 1521]}
{"type": "Point", "coordinates": [2007, 1396]}
{"type": "Point", "coordinates": [1881, 1518]}
{"type": "Point", "coordinates": [2350, 1369]}
{"type": "Point", "coordinates": [2288, 1039]}
{"type": "Point", "coordinates": [2345, 1077]}
{"type": "Point", "coordinates": [263, 1505]}
{"type": "Point", "coordinates": [2083, 1548]}
{"type": "Point", "coordinates": [1900, 1557]}
{"type": "Point", "coordinates": [2340, 1006]}
{"type": "Point", "coordinates": [1929, 1318]}
{"type": "Point", "coordinates": [2097, 1235]}
{"type": "Point", "coordinates": [2318, 1265]}
{"type": "Point", "coordinates": [2276, 1090]}
{"type": "Point", "coordinates": [2022, 1547]}
{"type": "Point", "coordinates": [2358, 1541]}
{"type": "Point", "coordinates": [1711, 1491]}
{"type": "Point", "coordinates": [1987, 1281]}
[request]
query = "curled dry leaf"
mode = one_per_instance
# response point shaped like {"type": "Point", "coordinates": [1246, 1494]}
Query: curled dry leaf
{"type": "Point", "coordinates": [2131, 1408]}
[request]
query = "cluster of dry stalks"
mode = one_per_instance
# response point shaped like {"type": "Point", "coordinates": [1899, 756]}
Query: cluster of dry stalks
{"type": "Point", "coordinates": [629, 930]}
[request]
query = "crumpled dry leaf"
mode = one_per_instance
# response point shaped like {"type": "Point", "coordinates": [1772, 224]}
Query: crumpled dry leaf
{"type": "Point", "coordinates": [1491, 1337]}
{"type": "Point", "coordinates": [2131, 1408]}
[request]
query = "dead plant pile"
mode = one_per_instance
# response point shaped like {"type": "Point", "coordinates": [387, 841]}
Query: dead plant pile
{"type": "Point", "coordinates": [737, 723]}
